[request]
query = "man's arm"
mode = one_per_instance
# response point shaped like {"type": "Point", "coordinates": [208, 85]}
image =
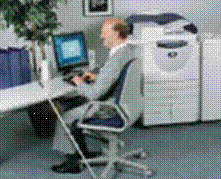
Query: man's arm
{"type": "Point", "coordinates": [89, 76]}
{"type": "Point", "coordinates": [95, 70]}
{"type": "Point", "coordinates": [108, 74]}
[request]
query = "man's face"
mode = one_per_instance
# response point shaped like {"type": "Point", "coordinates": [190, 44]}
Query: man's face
{"type": "Point", "coordinates": [109, 36]}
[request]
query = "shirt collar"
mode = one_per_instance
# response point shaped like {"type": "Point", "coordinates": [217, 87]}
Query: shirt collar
{"type": "Point", "coordinates": [115, 49]}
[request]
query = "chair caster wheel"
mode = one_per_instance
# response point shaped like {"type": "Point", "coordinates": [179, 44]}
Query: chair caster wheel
{"type": "Point", "coordinates": [121, 144]}
{"type": "Point", "coordinates": [119, 168]}
{"type": "Point", "coordinates": [147, 173]}
{"type": "Point", "coordinates": [141, 155]}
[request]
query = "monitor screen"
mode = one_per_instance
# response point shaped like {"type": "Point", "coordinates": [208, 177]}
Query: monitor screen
{"type": "Point", "coordinates": [70, 50]}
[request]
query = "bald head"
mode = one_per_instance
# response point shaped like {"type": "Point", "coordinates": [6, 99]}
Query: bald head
{"type": "Point", "coordinates": [114, 21]}
{"type": "Point", "coordinates": [114, 32]}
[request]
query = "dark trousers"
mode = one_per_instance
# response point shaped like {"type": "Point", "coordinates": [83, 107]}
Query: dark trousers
{"type": "Point", "coordinates": [43, 118]}
{"type": "Point", "coordinates": [67, 104]}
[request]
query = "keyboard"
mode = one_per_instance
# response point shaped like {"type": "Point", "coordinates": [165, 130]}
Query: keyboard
{"type": "Point", "coordinates": [68, 79]}
{"type": "Point", "coordinates": [72, 75]}
{"type": "Point", "coordinates": [73, 72]}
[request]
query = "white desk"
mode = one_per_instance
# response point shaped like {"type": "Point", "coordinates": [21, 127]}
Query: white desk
{"type": "Point", "coordinates": [19, 97]}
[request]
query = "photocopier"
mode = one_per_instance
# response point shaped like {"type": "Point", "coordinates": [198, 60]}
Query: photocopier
{"type": "Point", "coordinates": [169, 48]}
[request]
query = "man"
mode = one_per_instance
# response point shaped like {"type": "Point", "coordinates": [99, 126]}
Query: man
{"type": "Point", "coordinates": [114, 33]}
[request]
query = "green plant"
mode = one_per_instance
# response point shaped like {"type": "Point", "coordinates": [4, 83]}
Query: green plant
{"type": "Point", "coordinates": [33, 19]}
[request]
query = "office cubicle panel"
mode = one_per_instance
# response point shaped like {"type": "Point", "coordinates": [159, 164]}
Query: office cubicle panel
{"type": "Point", "coordinates": [14, 67]}
{"type": "Point", "coordinates": [211, 80]}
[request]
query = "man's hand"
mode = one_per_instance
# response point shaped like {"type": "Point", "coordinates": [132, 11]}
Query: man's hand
{"type": "Point", "coordinates": [89, 76]}
{"type": "Point", "coordinates": [77, 80]}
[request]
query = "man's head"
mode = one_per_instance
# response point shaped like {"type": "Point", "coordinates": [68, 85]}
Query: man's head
{"type": "Point", "coordinates": [114, 32]}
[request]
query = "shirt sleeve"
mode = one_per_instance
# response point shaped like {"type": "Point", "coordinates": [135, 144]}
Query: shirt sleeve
{"type": "Point", "coordinates": [107, 76]}
{"type": "Point", "coordinates": [95, 70]}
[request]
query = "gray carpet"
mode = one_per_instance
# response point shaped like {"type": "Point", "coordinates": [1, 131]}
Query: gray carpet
{"type": "Point", "coordinates": [176, 151]}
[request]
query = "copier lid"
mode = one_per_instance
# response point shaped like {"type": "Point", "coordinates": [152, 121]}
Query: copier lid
{"type": "Point", "coordinates": [161, 19]}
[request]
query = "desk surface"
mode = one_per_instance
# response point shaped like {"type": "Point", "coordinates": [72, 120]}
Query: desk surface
{"type": "Point", "coordinates": [32, 93]}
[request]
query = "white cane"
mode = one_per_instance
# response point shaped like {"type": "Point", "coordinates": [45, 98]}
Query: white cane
{"type": "Point", "coordinates": [67, 130]}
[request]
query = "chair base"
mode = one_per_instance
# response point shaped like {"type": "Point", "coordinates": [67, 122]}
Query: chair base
{"type": "Point", "coordinates": [119, 163]}
{"type": "Point", "coordinates": [114, 161]}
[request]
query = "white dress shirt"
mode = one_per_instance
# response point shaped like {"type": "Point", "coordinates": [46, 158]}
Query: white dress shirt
{"type": "Point", "coordinates": [114, 49]}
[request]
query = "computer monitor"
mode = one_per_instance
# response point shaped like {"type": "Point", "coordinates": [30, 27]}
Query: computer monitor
{"type": "Point", "coordinates": [70, 51]}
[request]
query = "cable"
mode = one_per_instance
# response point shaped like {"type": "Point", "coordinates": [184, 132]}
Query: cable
{"type": "Point", "coordinates": [67, 130]}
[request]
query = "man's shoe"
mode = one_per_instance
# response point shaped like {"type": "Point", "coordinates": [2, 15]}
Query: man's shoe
{"type": "Point", "coordinates": [72, 164]}
{"type": "Point", "coordinates": [68, 167]}
{"type": "Point", "coordinates": [65, 167]}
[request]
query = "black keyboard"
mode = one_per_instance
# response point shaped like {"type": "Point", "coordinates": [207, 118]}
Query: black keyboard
{"type": "Point", "coordinates": [73, 71]}
{"type": "Point", "coordinates": [68, 78]}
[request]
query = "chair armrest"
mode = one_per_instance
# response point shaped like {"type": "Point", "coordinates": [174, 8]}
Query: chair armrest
{"type": "Point", "coordinates": [94, 106]}
{"type": "Point", "coordinates": [95, 135]}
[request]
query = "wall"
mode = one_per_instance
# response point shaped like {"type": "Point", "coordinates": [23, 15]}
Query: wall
{"type": "Point", "coordinates": [205, 14]}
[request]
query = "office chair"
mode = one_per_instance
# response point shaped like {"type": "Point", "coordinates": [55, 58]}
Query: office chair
{"type": "Point", "coordinates": [126, 109]}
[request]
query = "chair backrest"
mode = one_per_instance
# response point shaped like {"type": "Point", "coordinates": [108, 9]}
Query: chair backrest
{"type": "Point", "coordinates": [116, 88]}
{"type": "Point", "coordinates": [129, 94]}
{"type": "Point", "coordinates": [121, 81]}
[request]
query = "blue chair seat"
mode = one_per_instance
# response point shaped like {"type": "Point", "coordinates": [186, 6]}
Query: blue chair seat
{"type": "Point", "coordinates": [116, 122]}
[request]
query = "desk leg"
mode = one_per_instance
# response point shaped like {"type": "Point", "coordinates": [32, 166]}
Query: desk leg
{"type": "Point", "coordinates": [43, 119]}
